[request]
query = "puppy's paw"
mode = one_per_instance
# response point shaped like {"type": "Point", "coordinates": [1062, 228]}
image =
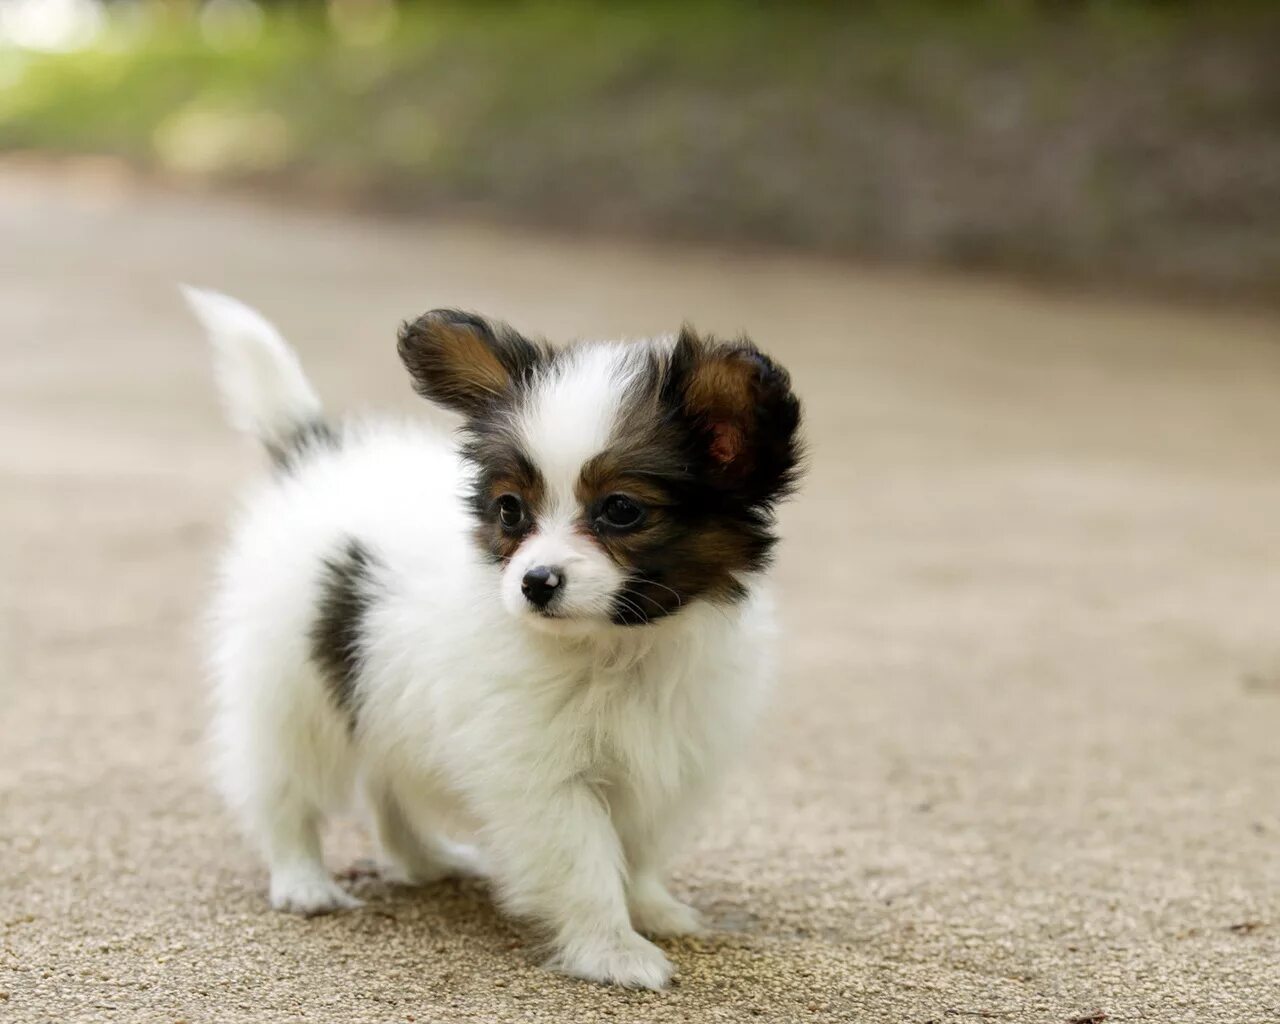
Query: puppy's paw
{"type": "Point", "coordinates": [654, 911]}
{"type": "Point", "coordinates": [309, 894]}
{"type": "Point", "coordinates": [662, 916]}
{"type": "Point", "coordinates": [626, 959]}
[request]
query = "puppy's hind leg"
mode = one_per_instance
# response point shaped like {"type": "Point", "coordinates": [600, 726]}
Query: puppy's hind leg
{"type": "Point", "coordinates": [300, 884]}
{"type": "Point", "coordinates": [283, 758]}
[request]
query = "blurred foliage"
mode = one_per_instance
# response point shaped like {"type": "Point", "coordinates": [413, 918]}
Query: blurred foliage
{"type": "Point", "coordinates": [1117, 137]}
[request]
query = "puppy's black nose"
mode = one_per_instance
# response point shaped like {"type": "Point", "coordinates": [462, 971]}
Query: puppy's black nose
{"type": "Point", "coordinates": [541, 583]}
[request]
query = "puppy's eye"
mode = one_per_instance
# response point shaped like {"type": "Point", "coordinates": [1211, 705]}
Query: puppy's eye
{"type": "Point", "coordinates": [511, 511]}
{"type": "Point", "coordinates": [620, 512]}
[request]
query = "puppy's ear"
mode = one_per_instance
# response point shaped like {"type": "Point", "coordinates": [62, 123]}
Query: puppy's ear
{"type": "Point", "coordinates": [464, 362]}
{"type": "Point", "coordinates": [744, 416]}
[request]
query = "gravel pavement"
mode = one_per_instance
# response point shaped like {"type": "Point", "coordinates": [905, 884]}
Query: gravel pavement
{"type": "Point", "coordinates": [1024, 760]}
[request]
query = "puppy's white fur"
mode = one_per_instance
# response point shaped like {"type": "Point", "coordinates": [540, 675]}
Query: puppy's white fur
{"type": "Point", "coordinates": [571, 757]}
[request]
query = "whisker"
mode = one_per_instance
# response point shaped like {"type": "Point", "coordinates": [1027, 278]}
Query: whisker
{"type": "Point", "coordinates": [638, 617]}
{"type": "Point", "coordinates": [655, 583]}
{"type": "Point", "coordinates": [649, 599]}
{"type": "Point", "coordinates": [635, 608]}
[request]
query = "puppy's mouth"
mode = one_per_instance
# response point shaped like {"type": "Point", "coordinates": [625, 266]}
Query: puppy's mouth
{"type": "Point", "coordinates": [558, 616]}
{"type": "Point", "coordinates": [553, 612]}
{"type": "Point", "coordinates": [569, 627]}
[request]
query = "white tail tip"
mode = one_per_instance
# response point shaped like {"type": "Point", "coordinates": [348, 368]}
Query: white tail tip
{"type": "Point", "coordinates": [263, 387]}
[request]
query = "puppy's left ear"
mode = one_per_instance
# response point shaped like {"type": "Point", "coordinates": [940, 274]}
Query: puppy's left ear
{"type": "Point", "coordinates": [744, 415]}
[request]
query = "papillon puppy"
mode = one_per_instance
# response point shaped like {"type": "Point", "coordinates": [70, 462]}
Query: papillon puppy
{"type": "Point", "coordinates": [546, 635]}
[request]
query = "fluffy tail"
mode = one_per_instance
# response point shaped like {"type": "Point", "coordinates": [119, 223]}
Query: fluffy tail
{"type": "Point", "coordinates": [264, 390]}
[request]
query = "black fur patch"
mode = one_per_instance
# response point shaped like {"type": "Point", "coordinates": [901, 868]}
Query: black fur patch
{"type": "Point", "coordinates": [315, 435]}
{"type": "Point", "coordinates": [347, 591]}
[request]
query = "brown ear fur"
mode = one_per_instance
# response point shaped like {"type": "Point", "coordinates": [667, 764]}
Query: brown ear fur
{"type": "Point", "coordinates": [464, 362]}
{"type": "Point", "coordinates": [743, 409]}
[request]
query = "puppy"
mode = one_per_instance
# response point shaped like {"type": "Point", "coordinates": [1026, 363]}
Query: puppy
{"type": "Point", "coordinates": [548, 635]}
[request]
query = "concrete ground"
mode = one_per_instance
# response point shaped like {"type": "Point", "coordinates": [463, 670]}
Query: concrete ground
{"type": "Point", "coordinates": [1024, 761]}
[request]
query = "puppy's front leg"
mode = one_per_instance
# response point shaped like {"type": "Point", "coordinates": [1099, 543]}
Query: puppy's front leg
{"type": "Point", "coordinates": [646, 836]}
{"type": "Point", "coordinates": [559, 861]}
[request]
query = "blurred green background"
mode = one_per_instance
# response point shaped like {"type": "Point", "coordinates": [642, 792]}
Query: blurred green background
{"type": "Point", "coordinates": [1123, 142]}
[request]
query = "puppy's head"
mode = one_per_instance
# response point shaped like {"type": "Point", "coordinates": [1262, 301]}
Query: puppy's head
{"type": "Point", "coordinates": [614, 484]}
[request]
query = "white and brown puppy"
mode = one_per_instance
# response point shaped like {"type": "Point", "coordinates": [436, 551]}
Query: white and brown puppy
{"type": "Point", "coordinates": [547, 636]}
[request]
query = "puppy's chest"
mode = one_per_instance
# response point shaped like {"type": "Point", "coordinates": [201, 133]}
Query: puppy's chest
{"type": "Point", "coordinates": [643, 729]}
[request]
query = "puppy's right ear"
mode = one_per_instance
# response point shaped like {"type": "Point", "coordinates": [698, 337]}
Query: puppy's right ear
{"type": "Point", "coordinates": [466, 363]}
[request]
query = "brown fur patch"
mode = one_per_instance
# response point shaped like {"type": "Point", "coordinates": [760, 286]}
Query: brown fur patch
{"type": "Point", "coordinates": [626, 547]}
{"type": "Point", "coordinates": [608, 473]}
{"type": "Point", "coordinates": [514, 474]}
{"type": "Point", "coordinates": [720, 385]}
{"type": "Point", "coordinates": [470, 365]}
{"type": "Point", "coordinates": [721, 392]}
{"type": "Point", "coordinates": [465, 362]}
